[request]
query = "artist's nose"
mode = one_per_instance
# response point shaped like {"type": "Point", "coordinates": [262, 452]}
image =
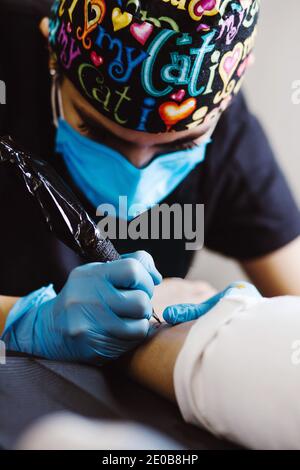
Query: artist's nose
{"type": "Point", "coordinates": [138, 155]}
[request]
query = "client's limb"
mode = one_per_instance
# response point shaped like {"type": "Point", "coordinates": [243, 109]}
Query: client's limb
{"type": "Point", "coordinates": [153, 362]}
{"type": "Point", "coordinates": [233, 371]}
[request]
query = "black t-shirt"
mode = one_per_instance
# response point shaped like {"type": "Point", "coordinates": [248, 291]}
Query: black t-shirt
{"type": "Point", "coordinates": [249, 210]}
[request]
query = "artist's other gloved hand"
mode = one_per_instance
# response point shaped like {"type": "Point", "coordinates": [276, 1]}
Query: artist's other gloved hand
{"type": "Point", "coordinates": [187, 312]}
{"type": "Point", "coordinates": [102, 312]}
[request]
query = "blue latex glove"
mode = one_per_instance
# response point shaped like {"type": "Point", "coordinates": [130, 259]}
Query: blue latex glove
{"type": "Point", "coordinates": [187, 312]}
{"type": "Point", "coordinates": [102, 312]}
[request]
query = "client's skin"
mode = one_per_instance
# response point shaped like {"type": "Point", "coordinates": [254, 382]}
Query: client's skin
{"type": "Point", "coordinates": [152, 364]}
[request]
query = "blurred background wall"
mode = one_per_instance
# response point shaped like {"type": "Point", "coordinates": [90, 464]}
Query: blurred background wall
{"type": "Point", "coordinates": [269, 91]}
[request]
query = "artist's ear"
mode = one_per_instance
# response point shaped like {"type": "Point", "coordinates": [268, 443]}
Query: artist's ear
{"type": "Point", "coordinates": [44, 27]}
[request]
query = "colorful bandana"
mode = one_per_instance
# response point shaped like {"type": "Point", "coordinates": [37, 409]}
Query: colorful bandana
{"type": "Point", "coordinates": [155, 65]}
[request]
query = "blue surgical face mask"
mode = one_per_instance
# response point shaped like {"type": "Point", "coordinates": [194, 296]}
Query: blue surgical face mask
{"type": "Point", "coordinates": [103, 174]}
